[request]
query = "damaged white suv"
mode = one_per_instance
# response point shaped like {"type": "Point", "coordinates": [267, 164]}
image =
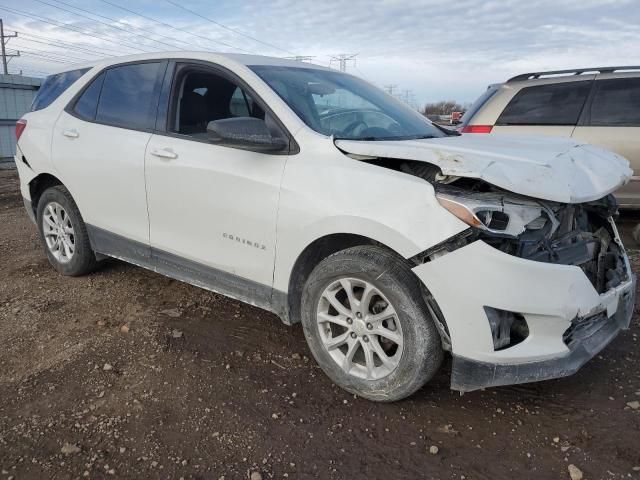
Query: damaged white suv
{"type": "Point", "coordinates": [315, 195]}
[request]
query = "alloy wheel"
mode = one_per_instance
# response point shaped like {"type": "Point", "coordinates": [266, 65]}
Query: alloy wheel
{"type": "Point", "coordinates": [359, 328]}
{"type": "Point", "coordinates": [58, 232]}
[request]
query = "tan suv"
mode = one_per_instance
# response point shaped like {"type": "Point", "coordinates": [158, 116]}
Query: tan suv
{"type": "Point", "coordinates": [600, 106]}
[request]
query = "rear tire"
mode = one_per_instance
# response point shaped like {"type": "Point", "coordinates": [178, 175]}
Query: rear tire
{"type": "Point", "coordinates": [381, 360]}
{"type": "Point", "coordinates": [63, 233]}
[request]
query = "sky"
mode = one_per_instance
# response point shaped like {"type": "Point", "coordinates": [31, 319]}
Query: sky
{"type": "Point", "coordinates": [428, 50]}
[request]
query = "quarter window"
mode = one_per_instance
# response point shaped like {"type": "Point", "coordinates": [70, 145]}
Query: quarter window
{"type": "Point", "coordinates": [54, 86]}
{"type": "Point", "coordinates": [87, 104]}
{"type": "Point", "coordinates": [241, 104]}
{"type": "Point", "coordinates": [129, 96]}
{"type": "Point", "coordinates": [555, 104]}
{"type": "Point", "coordinates": [616, 103]}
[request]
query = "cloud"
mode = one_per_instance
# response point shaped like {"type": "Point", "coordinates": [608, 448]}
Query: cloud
{"type": "Point", "coordinates": [437, 49]}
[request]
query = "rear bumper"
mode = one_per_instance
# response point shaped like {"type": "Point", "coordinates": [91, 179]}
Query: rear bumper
{"type": "Point", "coordinates": [568, 321]}
{"type": "Point", "coordinates": [594, 333]}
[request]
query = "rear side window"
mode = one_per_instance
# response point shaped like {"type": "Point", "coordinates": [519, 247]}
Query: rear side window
{"type": "Point", "coordinates": [556, 104]}
{"type": "Point", "coordinates": [616, 102]}
{"type": "Point", "coordinates": [129, 96]}
{"type": "Point", "coordinates": [54, 86]}
{"type": "Point", "coordinates": [478, 104]}
{"type": "Point", "coordinates": [87, 105]}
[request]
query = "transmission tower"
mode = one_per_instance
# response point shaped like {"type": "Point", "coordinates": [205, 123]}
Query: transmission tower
{"type": "Point", "coordinates": [408, 97]}
{"type": "Point", "coordinates": [389, 88]}
{"type": "Point", "coordinates": [342, 59]}
{"type": "Point", "coordinates": [301, 58]}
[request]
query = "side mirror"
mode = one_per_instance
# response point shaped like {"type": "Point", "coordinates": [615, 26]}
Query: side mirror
{"type": "Point", "coordinates": [246, 133]}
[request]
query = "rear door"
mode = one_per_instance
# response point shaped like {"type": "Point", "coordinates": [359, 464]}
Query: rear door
{"type": "Point", "coordinates": [99, 143]}
{"type": "Point", "coordinates": [545, 109]}
{"type": "Point", "coordinates": [612, 120]}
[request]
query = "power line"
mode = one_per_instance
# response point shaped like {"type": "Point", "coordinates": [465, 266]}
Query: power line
{"type": "Point", "coordinates": [174, 28]}
{"type": "Point", "coordinates": [149, 32]}
{"type": "Point", "coordinates": [50, 55]}
{"type": "Point", "coordinates": [67, 27]}
{"type": "Point", "coordinates": [221, 25]}
{"type": "Point", "coordinates": [45, 58]}
{"type": "Point", "coordinates": [25, 38]}
{"type": "Point", "coordinates": [107, 51]}
{"type": "Point", "coordinates": [32, 73]}
{"type": "Point", "coordinates": [362, 74]}
{"type": "Point", "coordinates": [128, 32]}
{"type": "Point", "coordinates": [63, 56]}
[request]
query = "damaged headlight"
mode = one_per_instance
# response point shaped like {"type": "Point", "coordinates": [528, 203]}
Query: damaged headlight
{"type": "Point", "coordinates": [497, 213]}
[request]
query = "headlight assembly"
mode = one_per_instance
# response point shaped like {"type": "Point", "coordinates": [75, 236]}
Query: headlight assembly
{"type": "Point", "coordinates": [496, 213]}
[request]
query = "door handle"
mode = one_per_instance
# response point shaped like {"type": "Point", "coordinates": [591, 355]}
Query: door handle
{"type": "Point", "coordinates": [164, 153]}
{"type": "Point", "coordinates": [71, 133]}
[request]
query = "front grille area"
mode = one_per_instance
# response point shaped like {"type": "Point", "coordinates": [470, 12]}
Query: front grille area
{"type": "Point", "coordinates": [580, 235]}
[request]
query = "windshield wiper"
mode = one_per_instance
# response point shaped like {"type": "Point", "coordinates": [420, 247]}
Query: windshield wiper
{"type": "Point", "coordinates": [423, 137]}
{"type": "Point", "coordinates": [383, 139]}
{"type": "Point", "coordinates": [447, 131]}
{"type": "Point", "coordinates": [363, 139]}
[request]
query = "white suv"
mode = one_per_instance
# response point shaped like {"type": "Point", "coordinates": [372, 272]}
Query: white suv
{"type": "Point", "coordinates": [313, 194]}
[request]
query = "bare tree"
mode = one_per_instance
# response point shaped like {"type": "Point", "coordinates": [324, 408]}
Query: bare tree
{"type": "Point", "coordinates": [444, 107]}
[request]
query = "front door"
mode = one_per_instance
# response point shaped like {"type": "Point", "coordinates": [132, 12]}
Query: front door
{"type": "Point", "coordinates": [212, 209]}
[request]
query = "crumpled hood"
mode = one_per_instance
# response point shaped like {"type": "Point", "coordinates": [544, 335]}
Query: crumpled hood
{"type": "Point", "coordinates": [550, 168]}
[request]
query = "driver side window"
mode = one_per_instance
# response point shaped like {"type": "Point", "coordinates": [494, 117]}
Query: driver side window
{"type": "Point", "coordinates": [203, 97]}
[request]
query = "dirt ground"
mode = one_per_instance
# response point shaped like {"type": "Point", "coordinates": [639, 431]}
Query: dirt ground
{"type": "Point", "coordinates": [128, 374]}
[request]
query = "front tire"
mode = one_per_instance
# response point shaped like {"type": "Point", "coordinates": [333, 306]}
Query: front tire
{"type": "Point", "coordinates": [368, 326]}
{"type": "Point", "coordinates": [63, 233]}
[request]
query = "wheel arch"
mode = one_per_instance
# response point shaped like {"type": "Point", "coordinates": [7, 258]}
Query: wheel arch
{"type": "Point", "coordinates": [312, 255]}
{"type": "Point", "coordinates": [39, 184]}
{"type": "Point", "coordinates": [329, 244]}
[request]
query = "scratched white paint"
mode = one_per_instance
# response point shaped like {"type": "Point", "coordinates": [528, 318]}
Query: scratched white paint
{"type": "Point", "coordinates": [556, 169]}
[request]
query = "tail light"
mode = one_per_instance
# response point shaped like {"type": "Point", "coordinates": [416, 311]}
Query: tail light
{"type": "Point", "coordinates": [20, 126]}
{"type": "Point", "coordinates": [477, 129]}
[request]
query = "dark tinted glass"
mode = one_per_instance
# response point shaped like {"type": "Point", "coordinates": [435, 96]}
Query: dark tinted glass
{"type": "Point", "coordinates": [129, 96]}
{"type": "Point", "coordinates": [616, 102]}
{"type": "Point", "coordinates": [556, 104]}
{"type": "Point", "coordinates": [87, 104]}
{"type": "Point", "coordinates": [53, 86]}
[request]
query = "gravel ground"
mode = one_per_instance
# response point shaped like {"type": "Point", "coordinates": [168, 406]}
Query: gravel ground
{"type": "Point", "coordinates": [128, 374]}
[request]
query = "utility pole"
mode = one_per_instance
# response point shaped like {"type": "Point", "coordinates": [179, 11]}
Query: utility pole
{"type": "Point", "coordinates": [3, 41]}
{"type": "Point", "coordinates": [342, 59]}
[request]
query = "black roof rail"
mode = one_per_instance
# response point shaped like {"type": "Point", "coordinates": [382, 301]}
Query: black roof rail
{"type": "Point", "coordinates": [577, 71]}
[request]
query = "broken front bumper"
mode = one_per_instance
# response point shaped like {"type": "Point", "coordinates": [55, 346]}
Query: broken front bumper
{"type": "Point", "coordinates": [568, 321]}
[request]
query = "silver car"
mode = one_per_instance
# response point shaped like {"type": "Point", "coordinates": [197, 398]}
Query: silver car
{"type": "Point", "coordinates": [600, 106]}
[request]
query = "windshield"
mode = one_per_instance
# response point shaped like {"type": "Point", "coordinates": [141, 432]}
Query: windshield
{"type": "Point", "coordinates": [334, 103]}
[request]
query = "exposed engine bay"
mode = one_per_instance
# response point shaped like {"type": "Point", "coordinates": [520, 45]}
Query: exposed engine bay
{"type": "Point", "coordinates": [544, 231]}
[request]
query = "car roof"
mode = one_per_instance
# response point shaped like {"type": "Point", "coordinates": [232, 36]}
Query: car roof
{"type": "Point", "coordinates": [576, 73]}
{"type": "Point", "coordinates": [215, 57]}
